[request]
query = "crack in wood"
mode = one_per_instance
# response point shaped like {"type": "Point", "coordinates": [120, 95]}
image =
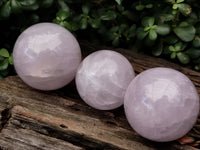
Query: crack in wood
{"type": "Point", "coordinates": [67, 136]}
{"type": "Point", "coordinates": [5, 116]}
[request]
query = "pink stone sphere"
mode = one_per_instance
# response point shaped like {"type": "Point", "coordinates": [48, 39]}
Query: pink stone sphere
{"type": "Point", "coordinates": [46, 56]}
{"type": "Point", "coordinates": [161, 104]}
{"type": "Point", "coordinates": [102, 79]}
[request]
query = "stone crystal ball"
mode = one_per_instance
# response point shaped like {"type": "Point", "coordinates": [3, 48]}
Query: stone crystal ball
{"type": "Point", "coordinates": [46, 56]}
{"type": "Point", "coordinates": [102, 79]}
{"type": "Point", "coordinates": [161, 104]}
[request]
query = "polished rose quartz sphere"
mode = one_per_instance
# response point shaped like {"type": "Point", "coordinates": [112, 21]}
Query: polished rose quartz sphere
{"type": "Point", "coordinates": [161, 104]}
{"type": "Point", "coordinates": [102, 79]}
{"type": "Point", "coordinates": [46, 56]}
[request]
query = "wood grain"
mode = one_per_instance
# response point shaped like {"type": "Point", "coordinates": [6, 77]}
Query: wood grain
{"type": "Point", "coordinates": [32, 119]}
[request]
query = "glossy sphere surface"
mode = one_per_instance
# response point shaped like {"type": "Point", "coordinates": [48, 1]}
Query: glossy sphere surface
{"type": "Point", "coordinates": [161, 104]}
{"type": "Point", "coordinates": [46, 56]}
{"type": "Point", "coordinates": [102, 79]}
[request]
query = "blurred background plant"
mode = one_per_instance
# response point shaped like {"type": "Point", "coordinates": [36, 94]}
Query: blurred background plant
{"type": "Point", "coordinates": [167, 28]}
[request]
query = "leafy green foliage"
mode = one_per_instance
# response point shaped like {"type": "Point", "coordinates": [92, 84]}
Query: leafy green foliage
{"type": "Point", "coordinates": [4, 53]}
{"type": "Point", "coordinates": [5, 10]}
{"type": "Point", "coordinates": [119, 1]}
{"type": "Point", "coordinates": [169, 28]}
{"type": "Point", "coordinates": [185, 32]}
{"type": "Point", "coordinates": [5, 61]}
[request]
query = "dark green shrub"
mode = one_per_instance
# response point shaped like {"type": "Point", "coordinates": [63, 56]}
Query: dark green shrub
{"type": "Point", "coordinates": [168, 28]}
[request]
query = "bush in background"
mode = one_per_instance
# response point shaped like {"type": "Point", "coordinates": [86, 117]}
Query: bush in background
{"type": "Point", "coordinates": [167, 28]}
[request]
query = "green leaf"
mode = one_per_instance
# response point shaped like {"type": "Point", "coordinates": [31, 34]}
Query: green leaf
{"type": "Point", "coordinates": [145, 21]}
{"type": "Point", "coordinates": [123, 28]}
{"type": "Point", "coordinates": [118, 2]}
{"type": "Point", "coordinates": [184, 24]}
{"type": "Point", "coordinates": [4, 52]}
{"type": "Point", "coordinates": [147, 29]}
{"type": "Point", "coordinates": [178, 46]}
{"type": "Point", "coordinates": [4, 64]}
{"type": "Point", "coordinates": [148, 21]}
{"type": "Point", "coordinates": [95, 23]}
{"type": "Point", "coordinates": [151, 21]}
{"type": "Point", "coordinates": [139, 7]}
{"type": "Point", "coordinates": [169, 1]}
{"type": "Point", "coordinates": [32, 7]}
{"type": "Point", "coordinates": [153, 27]}
{"type": "Point", "coordinates": [185, 33]}
{"type": "Point", "coordinates": [165, 17]}
{"type": "Point", "coordinates": [179, 1]}
{"type": "Point", "coordinates": [192, 18]}
{"type": "Point", "coordinates": [74, 26]}
{"type": "Point", "coordinates": [27, 2]}
{"type": "Point", "coordinates": [141, 34]}
{"type": "Point", "coordinates": [183, 58]}
{"type": "Point", "coordinates": [109, 15]}
{"type": "Point", "coordinates": [196, 41]}
{"type": "Point", "coordinates": [131, 31]}
{"type": "Point", "coordinates": [171, 48]}
{"type": "Point", "coordinates": [175, 6]}
{"type": "Point", "coordinates": [57, 22]}
{"type": "Point", "coordinates": [132, 28]}
{"type": "Point", "coordinates": [173, 55]}
{"type": "Point", "coordinates": [114, 29]}
{"type": "Point", "coordinates": [86, 8]}
{"type": "Point", "coordinates": [10, 59]}
{"type": "Point", "coordinates": [46, 3]}
{"type": "Point", "coordinates": [149, 6]}
{"type": "Point", "coordinates": [185, 9]}
{"type": "Point", "coordinates": [115, 42]}
{"type": "Point", "coordinates": [2, 58]}
{"type": "Point", "coordinates": [152, 35]}
{"type": "Point", "coordinates": [5, 10]}
{"type": "Point", "coordinates": [157, 51]}
{"type": "Point", "coordinates": [163, 29]}
{"type": "Point", "coordinates": [62, 15]}
{"type": "Point", "coordinates": [83, 23]}
{"type": "Point", "coordinates": [63, 6]}
{"type": "Point", "coordinates": [66, 25]}
{"type": "Point", "coordinates": [197, 67]}
{"type": "Point", "coordinates": [193, 53]}
{"type": "Point", "coordinates": [16, 7]}
{"type": "Point", "coordinates": [174, 12]}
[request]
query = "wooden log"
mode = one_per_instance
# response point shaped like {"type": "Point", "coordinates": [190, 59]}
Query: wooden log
{"type": "Point", "coordinates": [23, 139]}
{"type": "Point", "coordinates": [32, 119]}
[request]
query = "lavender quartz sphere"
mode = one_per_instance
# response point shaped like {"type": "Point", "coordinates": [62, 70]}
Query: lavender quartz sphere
{"type": "Point", "coordinates": [161, 104]}
{"type": "Point", "coordinates": [102, 79]}
{"type": "Point", "coordinates": [46, 56]}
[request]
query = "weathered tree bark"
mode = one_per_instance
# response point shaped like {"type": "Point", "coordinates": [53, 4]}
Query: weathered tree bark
{"type": "Point", "coordinates": [32, 119]}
